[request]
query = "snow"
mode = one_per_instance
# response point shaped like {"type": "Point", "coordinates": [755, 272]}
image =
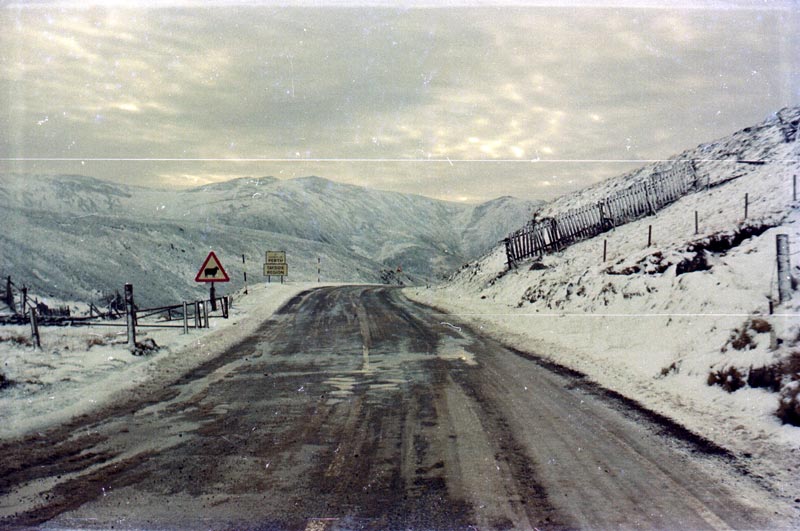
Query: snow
{"type": "Point", "coordinates": [69, 376]}
{"type": "Point", "coordinates": [632, 324]}
{"type": "Point", "coordinates": [655, 336]}
{"type": "Point", "coordinates": [76, 237]}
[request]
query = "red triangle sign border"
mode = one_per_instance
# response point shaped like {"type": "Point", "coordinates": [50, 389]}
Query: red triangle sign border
{"type": "Point", "coordinates": [202, 274]}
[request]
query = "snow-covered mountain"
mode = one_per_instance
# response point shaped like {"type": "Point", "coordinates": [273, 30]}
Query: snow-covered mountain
{"type": "Point", "coordinates": [72, 236]}
{"type": "Point", "coordinates": [690, 326]}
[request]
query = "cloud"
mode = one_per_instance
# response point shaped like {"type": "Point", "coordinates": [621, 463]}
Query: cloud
{"type": "Point", "coordinates": [489, 83]}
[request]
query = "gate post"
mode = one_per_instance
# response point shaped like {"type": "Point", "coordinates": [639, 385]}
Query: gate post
{"type": "Point", "coordinates": [130, 311]}
{"type": "Point", "coordinates": [35, 329]}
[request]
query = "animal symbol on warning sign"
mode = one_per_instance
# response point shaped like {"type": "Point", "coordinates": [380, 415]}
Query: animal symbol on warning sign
{"type": "Point", "coordinates": [212, 270]}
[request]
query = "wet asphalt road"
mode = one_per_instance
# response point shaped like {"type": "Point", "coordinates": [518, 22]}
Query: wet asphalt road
{"type": "Point", "coordinates": [353, 408]}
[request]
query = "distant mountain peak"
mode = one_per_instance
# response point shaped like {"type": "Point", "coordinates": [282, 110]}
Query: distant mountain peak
{"type": "Point", "coordinates": [236, 183]}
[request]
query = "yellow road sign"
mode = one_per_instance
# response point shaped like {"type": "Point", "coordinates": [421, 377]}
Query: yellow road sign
{"type": "Point", "coordinates": [276, 257]}
{"type": "Point", "coordinates": [276, 270]}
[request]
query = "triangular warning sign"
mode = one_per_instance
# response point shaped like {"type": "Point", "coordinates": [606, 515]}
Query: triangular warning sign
{"type": "Point", "coordinates": [212, 270]}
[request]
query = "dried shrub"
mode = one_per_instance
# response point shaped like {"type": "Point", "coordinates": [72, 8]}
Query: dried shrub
{"type": "Point", "coordinates": [629, 270]}
{"type": "Point", "coordinates": [673, 367]}
{"type": "Point", "coordinates": [791, 366]}
{"type": "Point", "coordinates": [767, 377]}
{"type": "Point", "coordinates": [699, 262]}
{"type": "Point", "coordinates": [760, 326]}
{"type": "Point", "coordinates": [789, 404]}
{"type": "Point", "coordinates": [17, 339]}
{"type": "Point", "coordinates": [148, 346]}
{"type": "Point", "coordinates": [742, 340]}
{"type": "Point", "coordinates": [95, 341]}
{"type": "Point", "coordinates": [729, 378]}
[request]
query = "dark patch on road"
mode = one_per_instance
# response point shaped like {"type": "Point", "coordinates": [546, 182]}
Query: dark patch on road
{"type": "Point", "coordinates": [73, 493]}
{"type": "Point", "coordinates": [533, 496]}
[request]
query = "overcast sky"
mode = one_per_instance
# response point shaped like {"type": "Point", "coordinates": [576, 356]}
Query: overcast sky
{"type": "Point", "coordinates": [459, 103]}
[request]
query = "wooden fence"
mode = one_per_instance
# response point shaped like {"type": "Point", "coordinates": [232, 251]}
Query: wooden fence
{"type": "Point", "coordinates": [552, 234]}
{"type": "Point", "coordinates": [194, 314]}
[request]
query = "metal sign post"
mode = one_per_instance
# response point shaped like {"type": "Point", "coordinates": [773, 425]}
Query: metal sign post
{"type": "Point", "coordinates": [212, 271]}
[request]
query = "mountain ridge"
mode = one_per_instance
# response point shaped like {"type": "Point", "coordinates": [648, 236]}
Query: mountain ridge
{"type": "Point", "coordinates": [75, 237]}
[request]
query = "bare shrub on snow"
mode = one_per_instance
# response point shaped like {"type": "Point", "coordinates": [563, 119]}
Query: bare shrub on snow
{"type": "Point", "coordinates": [760, 326]}
{"type": "Point", "coordinates": [17, 339]}
{"type": "Point", "coordinates": [148, 346]}
{"type": "Point", "coordinates": [729, 378]}
{"type": "Point", "coordinates": [789, 404]}
{"type": "Point", "coordinates": [739, 340]}
{"type": "Point", "coordinates": [673, 367]}
{"type": "Point", "coordinates": [767, 377]}
{"type": "Point", "coordinates": [94, 341]}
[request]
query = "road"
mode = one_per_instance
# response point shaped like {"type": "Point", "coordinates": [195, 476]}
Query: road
{"type": "Point", "coordinates": [354, 408]}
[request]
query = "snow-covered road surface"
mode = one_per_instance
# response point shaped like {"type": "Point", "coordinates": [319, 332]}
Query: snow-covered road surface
{"type": "Point", "coordinates": [353, 407]}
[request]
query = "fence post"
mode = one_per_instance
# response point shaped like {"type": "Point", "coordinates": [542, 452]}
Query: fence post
{"type": "Point", "coordinates": [697, 182]}
{"type": "Point", "coordinates": [696, 223]}
{"type": "Point", "coordinates": [185, 318]}
{"type": "Point", "coordinates": [244, 267]}
{"type": "Point", "coordinates": [205, 313]}
{"type": "Point", "coordinates": [649, 235]}
{"type": "Point", "coordinates": [24, 301]}
{"type": "Point", "coordinates": [794, 187]}
{"type": "Point", "coordinates": [10, 295]}
{"type": "Point", "coordinates": [784, 268]}
{"type": "Point", "coordinates": [196, 314]}
{"type": "Point", "coordinates": [746, 204]}
{"type": "Point", "coordinates": [650, 196]}
{"type": "Point", "coordinates": [225, 307]}
{"type": "Point", "coordinates": [605, 249]}
{"type": "Point", "coordinates": [129, 311]}
{"type": "Point", "coordinates": [35, 329]}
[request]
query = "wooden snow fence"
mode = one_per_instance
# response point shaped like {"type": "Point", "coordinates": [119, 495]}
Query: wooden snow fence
{"type": "Point", "coordinates": [548, 235]}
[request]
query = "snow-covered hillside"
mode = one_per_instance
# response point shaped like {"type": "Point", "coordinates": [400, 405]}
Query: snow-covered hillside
{"type": "Point", "coordinates": [74, 237]}
{"type": "Point", "coordinates": [682, 323]}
